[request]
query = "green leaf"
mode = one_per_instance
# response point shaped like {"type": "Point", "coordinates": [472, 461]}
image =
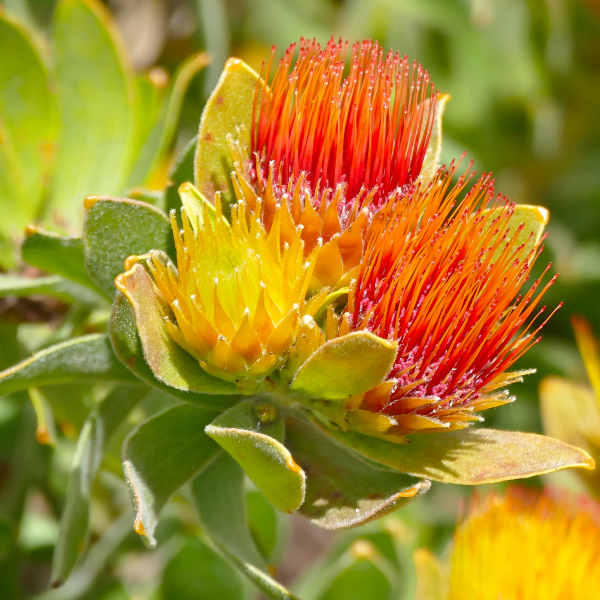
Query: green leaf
{"type": "Point", "coordinates": [169, 362]}
{"type": "Point", "coordinates": [55, 286]}
{"type": "Point", "coordinates": [431, 162]}
{"type": "Point", "coordinates": [469, 456]}
{"type": "Point", "coordinates": [128, 347]}
{"type": "Point", "coordinates": [95, 105]}
{"type": "Point", "coordinates": [197, 572]}
{"type": "Point", "coordinates": [365, 577]}
{"type": "Point", "coordinates": [74, 524]}
{"type": "Point", "coordinates": [55, 254]}
{"type": "Point", "coordinates": [570, 413]}
{"type": "Point", "coordinates": [250, 432]}
{"type": "Point", "coordinates": [161, 135]}
{"type": "Point", "coordinates": [182, 172]}
{"type": "Point", "coordinates": [229, 107]}
{"type": "Point", "coordinates": [265, 524]}
{"type": "Point", "coordinates": [534, 219]}
{"type": "Point", "coordinates": [345, 366]}
{"type": "Point", "coordinates": [87, 358]}
{"type": "Point", "coordinates": [27, 127]}
{"type": "Point", "coordinates": [162, 454]}
{"type": "Point", "coordinates": [219, 495]}
{"type": "Point", "coordinates": [115, 229]}
{"type": "Point", "coordinates": [343, 491]}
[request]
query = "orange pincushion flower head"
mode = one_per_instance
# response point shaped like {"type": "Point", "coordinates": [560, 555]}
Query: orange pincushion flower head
{"type": "Point", "coordinates": [336, 147]}
{"type": "Point", "coordinates": [526, 545]}
{"type": "Point", "coordinates": [442, 277]}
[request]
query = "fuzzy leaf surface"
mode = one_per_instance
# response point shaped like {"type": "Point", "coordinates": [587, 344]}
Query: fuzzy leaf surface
{"type": "Point", "coordinates": [116, 228]}
{"type": "Point", "coordinates": [60, 255]}
{"type": "Point", "coordinates": [345, 366]}
{"type": "Point", "coordinates": [87, 358]}
{"type": "Point", "coordinates": [251, 433]}
{"type": "Point", "coordinates": [343, 491]}
{"type": "Point", "coordinates": [228, 108]}
{"type": "Point", "coordinates": [469, 456]}
{"type": "Point", "coordinates": [160, 455]}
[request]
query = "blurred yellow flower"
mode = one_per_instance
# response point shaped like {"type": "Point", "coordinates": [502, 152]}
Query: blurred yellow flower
{"type": "Point", "coordinates": [519, 545]}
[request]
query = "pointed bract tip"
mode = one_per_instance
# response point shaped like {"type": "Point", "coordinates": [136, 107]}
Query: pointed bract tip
{"type": "Point", "coordinates": [89, 201]}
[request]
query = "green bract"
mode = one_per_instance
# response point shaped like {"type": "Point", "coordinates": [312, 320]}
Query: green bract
{"type": "Point", "coordinates": [213, 428]}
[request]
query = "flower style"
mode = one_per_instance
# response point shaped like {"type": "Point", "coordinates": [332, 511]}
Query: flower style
{"type": "Point", "coordinates": [526, 545]}
{"type": "Point", "coordinates": [331, 149]}
{"type": "Point", "coordinates": [442, 278]}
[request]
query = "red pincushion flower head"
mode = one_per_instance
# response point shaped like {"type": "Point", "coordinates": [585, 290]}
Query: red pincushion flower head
{"type": "Point", "coordinates": [336, 146]}
{"type": "Point", "coordinates": [443, 277]}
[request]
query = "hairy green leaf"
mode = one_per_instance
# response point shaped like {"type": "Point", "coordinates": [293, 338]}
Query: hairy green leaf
{"type": "Point", "coordinates": [116, 228]}
{"type": "Point", "coordinates": [55, 254]}
{"type": "Point", "coordinates": [228, 108]}
{"type": "Point", "coordinates": [87, 358]}
{"type": "Point", "coordinates": [345, 366]}
{"type": "Point", "coordinates": [162, 454]}
{"type": "Point", "coordinates": [250, 432]}
{"type": "Point", "coordinates": [469, 456]}
{"type": "Point", "coordinates": [343, 491]}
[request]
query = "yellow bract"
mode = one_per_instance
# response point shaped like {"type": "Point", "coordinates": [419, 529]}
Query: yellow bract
{"type": "Point", "coordinates": [238, 292]}
{"type": "Point", "coordinates": [525, 546]}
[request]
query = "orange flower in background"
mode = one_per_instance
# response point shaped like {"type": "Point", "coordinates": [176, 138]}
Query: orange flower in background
{"type": "Point", "coordinates": [331, 149]}
{"type": "Point", "coordinates": [443, 277]}
{"type": "Point", "coordinates": [526, 545]}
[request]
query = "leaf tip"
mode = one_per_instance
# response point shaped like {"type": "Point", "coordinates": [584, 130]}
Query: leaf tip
{"type": "Point", "coordinates": [129, 262]}
{"type": "Point", "coordinates": [292, 465]}
{"type": "Point", "coordinates": [138, 526]}
{"type": "Point", "coordinates": [89, 201]}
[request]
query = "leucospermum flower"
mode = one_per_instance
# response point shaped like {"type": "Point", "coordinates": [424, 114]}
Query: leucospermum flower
{"type": "Point", "coordinates": [443, 278]}
{"type": "Point", "coordinates": [526, 545]}
{"type": "Point", "coordinates": [237, 293]}
{"type": "Point", "coordinates": [331, 148]}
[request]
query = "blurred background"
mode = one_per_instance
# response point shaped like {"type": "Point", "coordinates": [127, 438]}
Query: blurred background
{"type": "Point", "coordinates": [524, 77]}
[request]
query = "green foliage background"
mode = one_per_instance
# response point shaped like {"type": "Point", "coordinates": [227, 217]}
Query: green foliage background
{"type": "Point", "coordinates": [524, 76]}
